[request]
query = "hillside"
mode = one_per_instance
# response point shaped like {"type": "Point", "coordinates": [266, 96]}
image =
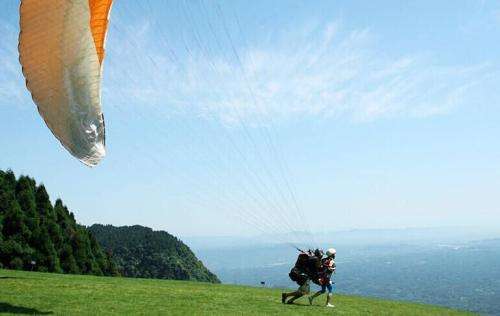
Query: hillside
{"type": "Point", "coordinates": [44, 293]}
{"type": "Point", "coordinates": [144, 253]}
{"type": "Point", "coordinates": [38, 235]}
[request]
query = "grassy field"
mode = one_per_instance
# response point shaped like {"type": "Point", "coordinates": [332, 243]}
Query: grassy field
{"type": "Point", "coordinates": [44, 293]}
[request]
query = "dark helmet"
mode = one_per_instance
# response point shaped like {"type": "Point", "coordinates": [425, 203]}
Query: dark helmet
{"type": "Point", "coordinates": [318, 253]}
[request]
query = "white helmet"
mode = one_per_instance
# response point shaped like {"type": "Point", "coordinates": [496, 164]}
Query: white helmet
{"type": "Point", "coordinates": [330, 252]}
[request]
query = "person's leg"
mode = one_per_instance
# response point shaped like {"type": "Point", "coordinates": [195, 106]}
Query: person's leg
{"type": "Point", "coordinates": [302, 290]}
{"type": "Point", "coordinates": [329, 296]}
{"type": "Point", "coordinates": [311, 298]}
{"type": "Point", "coordinates": [296, 296]}
{"type": "Point", "coordinates": [285, 295]}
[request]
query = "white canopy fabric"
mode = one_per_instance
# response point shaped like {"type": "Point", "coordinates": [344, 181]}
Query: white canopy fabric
{"type": "Point", "coordinates": [61, 46]}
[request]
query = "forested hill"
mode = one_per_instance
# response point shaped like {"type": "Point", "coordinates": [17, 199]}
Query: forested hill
{"type": "Point", "coordinates": [36, 235]}
{"type": "Point", "coordinates": [141, 252]}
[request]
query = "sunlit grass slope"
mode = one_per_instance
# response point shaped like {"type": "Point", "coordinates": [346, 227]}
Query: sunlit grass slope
{"type": "Point", "coordinates": [45, 293]}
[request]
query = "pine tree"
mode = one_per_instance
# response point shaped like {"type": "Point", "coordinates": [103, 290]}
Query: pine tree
{"type": "Point", "coordinates": [16, 252]}
{"type": "Point", "coordinates": [68, 262]}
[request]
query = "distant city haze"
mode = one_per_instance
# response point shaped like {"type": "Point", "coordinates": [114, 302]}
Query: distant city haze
{"type": "Point", "coordinates": [444, 266]}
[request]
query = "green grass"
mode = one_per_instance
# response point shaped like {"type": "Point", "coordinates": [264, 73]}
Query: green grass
{"type": "Point", "coordinates": [44, 293]}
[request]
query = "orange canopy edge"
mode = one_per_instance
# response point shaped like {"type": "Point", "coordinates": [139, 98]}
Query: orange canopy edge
{"type": "Point", "coordinates": [99, 17]}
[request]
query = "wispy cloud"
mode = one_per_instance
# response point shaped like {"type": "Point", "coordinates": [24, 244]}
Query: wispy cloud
{"type": "Point", "coordinates": [12, 89]}
{"type": "Point", "coordinates": [315, 70]}
{"type": "Point", "coordinates": [320, 70]}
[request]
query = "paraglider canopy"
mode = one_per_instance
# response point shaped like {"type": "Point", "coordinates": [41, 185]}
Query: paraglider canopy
{"type": "Point", "coordinates": [61, 50]}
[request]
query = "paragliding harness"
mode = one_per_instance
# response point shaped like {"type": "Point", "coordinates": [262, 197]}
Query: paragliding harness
{"type": "Point", "coordinates": [304, 268]}
{"type": "Point", "coordinates": [327, 269]}
{"type": "Point", "coordinates": [298, 274]}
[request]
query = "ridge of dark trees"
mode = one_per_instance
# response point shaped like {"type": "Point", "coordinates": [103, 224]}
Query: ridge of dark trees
{"type": "Point", "coordinates": [40, 236]}
{"type": "Point", "coordinates": [144, 253]}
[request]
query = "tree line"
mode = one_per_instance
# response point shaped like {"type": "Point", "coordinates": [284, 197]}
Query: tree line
{"type": "Point", "coordinates": [38, 235]}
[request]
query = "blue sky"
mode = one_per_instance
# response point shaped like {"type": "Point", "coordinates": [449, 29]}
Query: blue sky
{"type": "Point", "coordinates": [375, 115]}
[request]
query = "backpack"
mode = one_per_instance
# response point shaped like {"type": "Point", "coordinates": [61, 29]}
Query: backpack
{"type": "Point", "coordinates": [302, 261]}
{"type": "Point", "coordinates": [299, 271]}
{"type": "Point", "coordinates": [297, 276]}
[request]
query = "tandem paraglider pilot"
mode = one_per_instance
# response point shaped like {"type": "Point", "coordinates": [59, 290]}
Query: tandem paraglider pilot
{"type": "Point", "coordinates": [311, 266]}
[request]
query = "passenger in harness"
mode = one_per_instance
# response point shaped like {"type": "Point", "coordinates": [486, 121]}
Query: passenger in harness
{"type": "Point", "coordinates": [325, 277]}
{"type": "Point", "coordinates": [305, 269]}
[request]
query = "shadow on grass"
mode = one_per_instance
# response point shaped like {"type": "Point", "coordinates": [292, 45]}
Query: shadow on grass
{"type": "Point", "coordinates": [7, 277]}
{"type": "Point", "coordinates": [8, 308]}
{"type": "Point", "coordinates": [300, 304]}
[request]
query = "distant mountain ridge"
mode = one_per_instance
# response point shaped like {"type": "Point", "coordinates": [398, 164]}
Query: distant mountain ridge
{"type": "Point", "coordinates": [142, 252]}
{"type": "Point", "coordinates": [373, 236]}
